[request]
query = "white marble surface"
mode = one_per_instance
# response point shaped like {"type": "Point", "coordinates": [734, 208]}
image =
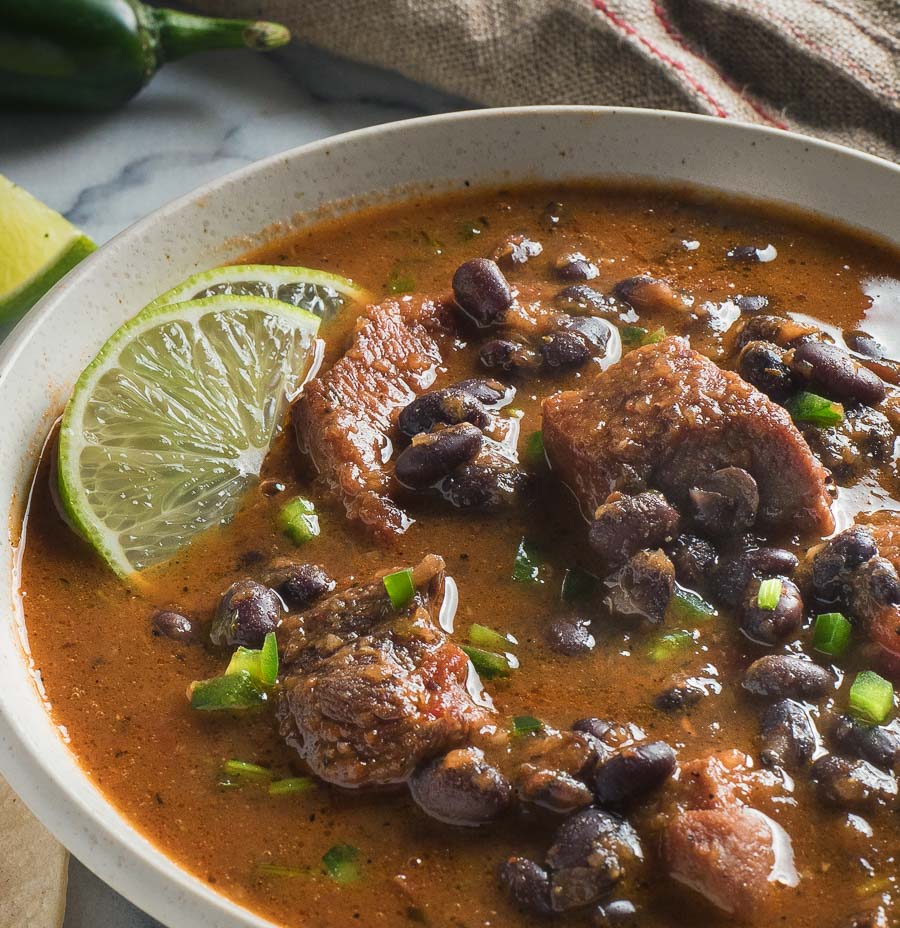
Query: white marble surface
{"type": "Point", "coordinates": [199, 119]}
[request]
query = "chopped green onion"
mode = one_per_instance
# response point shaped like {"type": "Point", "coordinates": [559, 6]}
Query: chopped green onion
{"type": "Point", "coordinates": [473, 228]}
{"type": "Point", "coordinates": [243, 771]}
{"type": "Point", "coordinates": [577, 584]}
{"type": "Point", "coordinates": [400, 588]}
{"type": "Point", "coordinates": [291, 786]}
{"type": "Point", "coordinates": [632, 335]}
{"type": "Point", "coordinates": [534, 450]}
{"type": "Point", "coordinates": [769, 593]}
{"type": "Point", "coordinates": [488, 664]}
{"type": "Point", "coordinates": [341, 863]}
{"type": "Point", "coordinates": [832, 633]}
{"type": "Point", "coordinates": [815, 409]}
{"type": "Point", "coordinates": [278, 871]}
{"type": "Point", "coordinates": [262, 665]}
{"type": "Point", "coordinates": [513, 412]}
{"type": "Point", "coordinates": [669, 645]}
{"type": "Point", "coordinates": [298, 520]}
{"type": "Point", "coordinates": [526, 724]}
{"type": "Point", "coordinates": [235, 691]}
{"type": "Point", "coordinates": [688, 606]}
{"type": "Point", "coordinates": [398, 282]}
{"type": "Point", "coordinates": [527, 564]}
{"type": "Point", "coordinates": [871, 698]}
{"type": "Point", "coordinates": [657, 335]}
{"type": "Point", "coordinates": [483, 637]}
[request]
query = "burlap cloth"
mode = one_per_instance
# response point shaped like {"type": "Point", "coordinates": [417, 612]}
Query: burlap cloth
{"type": "Point", "coordinates": [830, 68]}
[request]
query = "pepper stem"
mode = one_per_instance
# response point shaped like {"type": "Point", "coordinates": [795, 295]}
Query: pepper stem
{"type": "Point", "coordinates": [183, 34]}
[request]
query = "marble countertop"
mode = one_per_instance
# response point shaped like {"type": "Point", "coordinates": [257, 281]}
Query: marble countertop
{"type": "Point", "coordinates": [199, 119]}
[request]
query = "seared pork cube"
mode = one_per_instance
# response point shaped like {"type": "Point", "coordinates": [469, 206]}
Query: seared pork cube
{"type": "Point", "coordinates": [667, 417]}
{"type": "Point", "coordinates": [369, 690]}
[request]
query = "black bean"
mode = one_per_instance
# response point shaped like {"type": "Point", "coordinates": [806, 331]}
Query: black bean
{"type": "Point", "coordinates": [580, 298]}
{"type": "Point", "coordinates": [554, 215]}
{"type": "Point", "coordinates": [620, 913]}
{"type": "Point", "coordinates": [595, 331]}
{"type": "Point", "coordinates": [770, 626]}
{"type": "Point", "coordinates": [174, 625]}
{"type": "Point", "coordinates": [752, 304]}
{"type": "Point", "coordinates": [555, 790]}
{"type": "Point", "coordinates": [877, 581]}
{"type": "Point", "coordinates": [680, 696]}
{"type": "Point", "coordinates": [777, 329]}
{"type": "Point", "coordinates": [648, 294]}
{"type": "Point", "coordinates": [751, 253]}
{"type": "Point", "coordinates": [786, 676]}
{"type": "Point", "coordinates": [574, 266]}
{"type": "Point", "coordinates": [788, 736]}
{"type": "Point", "coordinates": [726, 501]}
{"type": "Point", "coordinates": [491, 393]}
{"type": "Point", "coordinates": [563, 350]}
{"type": "Point", "coordinates": [481, 486]}
{"type": "Point", "coordinates": [627, 524]}
{"type": "Point", "coordinates": [246, 613]}
{"type": "Point", "coordinates": [633, 772]}
{"type": "Point", "coordinates": [734, 572]}
{"type": "Point", "coordinates": [598, 728]}
{"type": "Point", "coordinates": [461, 788]}
{"type": "Point", "coordinates": [643, 587]}
{"type": "Point", "coordinates": [762, 364]}
{"type": "Point", "coordinates": [853, 784]}
{"type": "Point", "coordinates": [694, 559]}
{"type": "Point", "coordinates": [876, 744]}
{"type": "Point", "coordinates": [299, 585]}
{"type": "Point", "coordinates": [863, 343]}
{"type": "Point", "coordinates": [591, 852]}
{"type": "Point", "coordinates": [446, 407]}
{"type": "Point", "coordinates": [570, 636]}
{"type": "Point", "coordinates": [839, 555]}
{"type": "Point", "coordinates": [502, 354]}
{"type": "Point", "coordinates": [482, 291]}
{"type": "Point", "coordinates": [434, 455]}
{"type": "Point", "coordinates": [834, 372]}
{"type": "Point", "coordinates": [527, 884]}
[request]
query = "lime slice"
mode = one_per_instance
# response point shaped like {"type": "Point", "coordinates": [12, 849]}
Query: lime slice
{"type": "Point", "coordinates": [318, 292]}
{"type": "Point", "coordinates": [169, 424]}
{"type": "Point", "coordinates": [37, 247]}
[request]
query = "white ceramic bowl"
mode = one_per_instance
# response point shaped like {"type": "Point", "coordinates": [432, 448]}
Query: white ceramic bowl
{"type": "Point", "coordinates": [41, 360]}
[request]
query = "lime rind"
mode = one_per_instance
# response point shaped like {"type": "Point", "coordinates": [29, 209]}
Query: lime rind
{"type": "Point", "coordinates": [319, 292]}
{"type": "Point", "coordinates": [169, 424]}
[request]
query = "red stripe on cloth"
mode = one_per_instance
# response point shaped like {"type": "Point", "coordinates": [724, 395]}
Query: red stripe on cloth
{"type": "Point", "coordinates": [676, 36]}
{"type": "Point", "coordinates": [617, 20]}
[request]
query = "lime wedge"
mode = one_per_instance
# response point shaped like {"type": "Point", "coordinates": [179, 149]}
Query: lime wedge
{"type": "Point", "coordinates": [318, 292]}
{"type": "Point", "coordinates": [169, 424]}
{"type": "Point", "coordinates": [37, 247]}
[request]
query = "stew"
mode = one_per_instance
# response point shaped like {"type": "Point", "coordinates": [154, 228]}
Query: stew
{"type": "Point", "coordinates": [576, 566]}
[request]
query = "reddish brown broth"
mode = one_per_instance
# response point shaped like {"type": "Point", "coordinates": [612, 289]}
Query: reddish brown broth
{"type": "Point", "coordinates": [120, 692]}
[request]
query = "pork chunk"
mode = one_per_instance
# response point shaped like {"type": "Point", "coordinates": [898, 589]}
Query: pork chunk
{"type": "Point", "coordinates": [368, 691]}
{"type": "Point", "coordinates": [665, 417]}
{"type": "Point", "coordinates": [345, 418]}
{"type": "Point", "coordinates": [716, 844]}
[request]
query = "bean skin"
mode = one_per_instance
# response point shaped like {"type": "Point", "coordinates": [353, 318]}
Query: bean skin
{"type": "Point", "coordinates": [627, 524]}
{"type": "Point", "coordinates": [246, 613]}
{"type": "Point", "coordinates": [832, 371]}
{"type": "Point", "coordinates": [786, 676]}
{"type": "Point", "coordinates": [643, 587]}
{"type": "Point", "coordinates": [788, 736]}
{"type": "Point", "coordinates": [434, 455]}
{"type": "Point", "coordinates": [694, 559]}
{"type": "Point", "coordinates": [481, 291]}
{"type": "Point", "coordinates": [762, 364]}
{"type": "Point", "coordinates": [769, 626]}
{"type": "Point", "coordinates": [648, 294]}
{"type": "Point", "coordinates": [725, 502]}
{"type": "Point", "coordinates": [170, 624]}
{"type": "Point", "coordinates": [441, 407]}
{"type": "Point", "coordinates": [633, 772]}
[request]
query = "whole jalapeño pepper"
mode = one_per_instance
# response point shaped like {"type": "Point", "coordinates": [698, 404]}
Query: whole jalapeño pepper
{"type": "Point", "coordinates": [97, 54]}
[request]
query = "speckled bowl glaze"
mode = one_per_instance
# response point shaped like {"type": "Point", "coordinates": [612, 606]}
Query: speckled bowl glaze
{"type": "Point", "coordinates": [41, 360]}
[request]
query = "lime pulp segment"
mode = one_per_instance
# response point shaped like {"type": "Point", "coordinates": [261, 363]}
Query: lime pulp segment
{"type": "Point", "coordinates": [169, 424]}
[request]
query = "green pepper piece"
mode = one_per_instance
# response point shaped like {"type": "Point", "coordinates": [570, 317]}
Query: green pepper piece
{"type": "Point", "coordinates": [488, 664]}
{"type": "Point", "coordinates": [236, 691]}
{"type": "Point", "coordinates": [298, 520]}
{"type": "Point", "coordinates": [97, 54]}
{"type": "Point", "coordinates": [262, 665]}
{"type": "Point", "coordinates": [340, 863]}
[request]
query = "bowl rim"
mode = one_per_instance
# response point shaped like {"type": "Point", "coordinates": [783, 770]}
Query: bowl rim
{"type": "Point", "coordinates": [112, 849]}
